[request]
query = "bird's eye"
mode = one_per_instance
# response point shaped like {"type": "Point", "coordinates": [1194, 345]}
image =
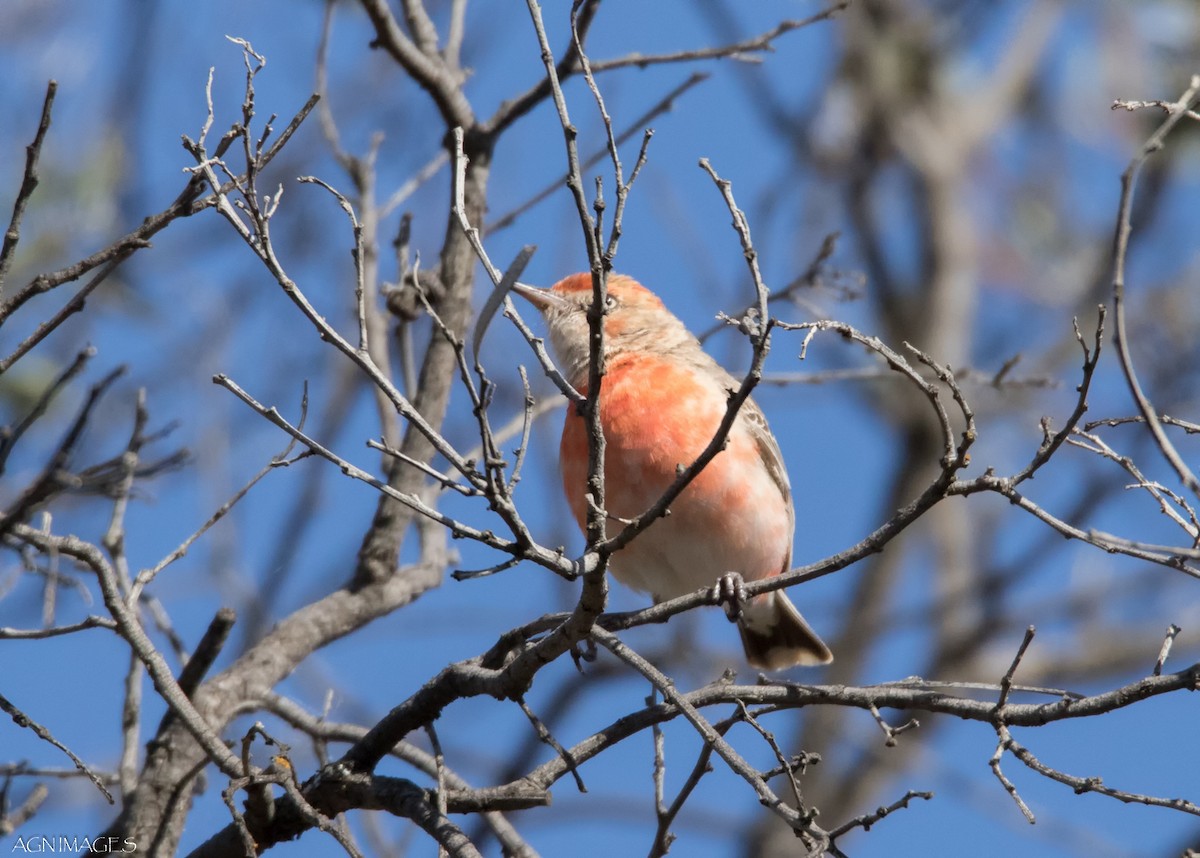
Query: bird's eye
{"type": "Point", "coordinates": [610, 303]}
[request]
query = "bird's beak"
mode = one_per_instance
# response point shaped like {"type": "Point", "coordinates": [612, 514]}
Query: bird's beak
{"type": "Point", "coordinates": [542, 299]}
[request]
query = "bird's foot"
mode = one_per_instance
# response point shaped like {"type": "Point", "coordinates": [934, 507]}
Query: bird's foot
{"type": "Point", "coordinates": [583, 651]}
{"type": "Point", "coordinates": [730, 593]}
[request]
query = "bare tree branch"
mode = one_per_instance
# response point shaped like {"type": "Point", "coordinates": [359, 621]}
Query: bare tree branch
{"type": "Point", "coordinates": [29, 183]}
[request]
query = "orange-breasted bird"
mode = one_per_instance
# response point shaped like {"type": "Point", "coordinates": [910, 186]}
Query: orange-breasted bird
{"type": "Point", "coordinates": [662, 399]}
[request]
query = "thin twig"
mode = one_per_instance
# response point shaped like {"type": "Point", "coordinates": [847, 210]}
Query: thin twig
{"type": "Point", "coordinates": [1121, 248]}
{"type": "Point", "coordinates": [92, 622]}
{"type": "Point", "coordinates": [759, 332]}
{"type": "Point", "coordinates": [710, 735]}
{"type": "Point", "coordinates": [73, 306]}
{"type": "Point", "coordinates": [1169, 501]}
{"type": "Point", "coordinates": [55, 476]}
{"type": "Point", "coordinates": [890, 733]}
{"type": "Point", "coordinates": [512, 110]}
{"type": "Point", "coordinates": [786, 765]}
{"type": "Point", "coordinates": [665, 105]}
{"type": "Point", "coordinates": [131, 629]}
{"type": "Point", "coordinates": [1007, 680]}
{"type": "Point", "coordinates": [761, 43]}
{"type": "Point", "coordinates": [806, 280]}
{"type": "Point", "coordinates": [24, 721]}
{"type": "Point", "coordinates": [1096, 785]}
{"type": "Point", "coordinates": [663, 838]}
{"type": "Point", "coordinates": [11, 820]}
{"type": "Point", "coordinates": [10, 437]}
{"type": "Point", "coordinates": [29, 182]}
{"type": "Point", "coordinates": [188, 203]}
{"type": "Point", "coordinates": [544, 734]}
{"type": "Point", "coordinates": [1004, 736]}
{"type": "Point", "coordinates": [1165, 650]}
{"type": "Point", "coordinates": [551, 560]}
{"type": "Point", "coordinates": [439, 765]}
{"type": "Point", "coordinates": [1187, 426]}
{"type": "Point", "coordinates": [146, 576]}
{"type": "Point", "coordinates": [868, 819]}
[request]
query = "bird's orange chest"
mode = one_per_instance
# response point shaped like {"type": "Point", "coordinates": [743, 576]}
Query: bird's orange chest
{"type": "Point", "coordinates": [657, 416]}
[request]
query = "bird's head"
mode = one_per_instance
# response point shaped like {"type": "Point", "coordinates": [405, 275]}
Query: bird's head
{"type": "Point", "coordinates": [634, 318]}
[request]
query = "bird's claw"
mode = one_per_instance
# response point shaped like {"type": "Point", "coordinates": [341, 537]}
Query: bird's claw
{"type": "Point", "coordinates": [730, 593]}
{"type": "Point", "coordinates": [583, 651]}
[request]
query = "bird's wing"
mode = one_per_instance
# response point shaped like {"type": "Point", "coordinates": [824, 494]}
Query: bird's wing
{"type": "Point", "coordinates": [768, 448]}
{"type": "Point", "coordinates": [772, 459]}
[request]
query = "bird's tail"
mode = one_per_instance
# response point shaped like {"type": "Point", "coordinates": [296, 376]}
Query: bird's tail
{"type": "Point", "coordinates": [775, 636]}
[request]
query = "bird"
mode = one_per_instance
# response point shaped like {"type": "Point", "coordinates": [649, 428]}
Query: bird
{"type": "Point", "coordinates": [662, 398]}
